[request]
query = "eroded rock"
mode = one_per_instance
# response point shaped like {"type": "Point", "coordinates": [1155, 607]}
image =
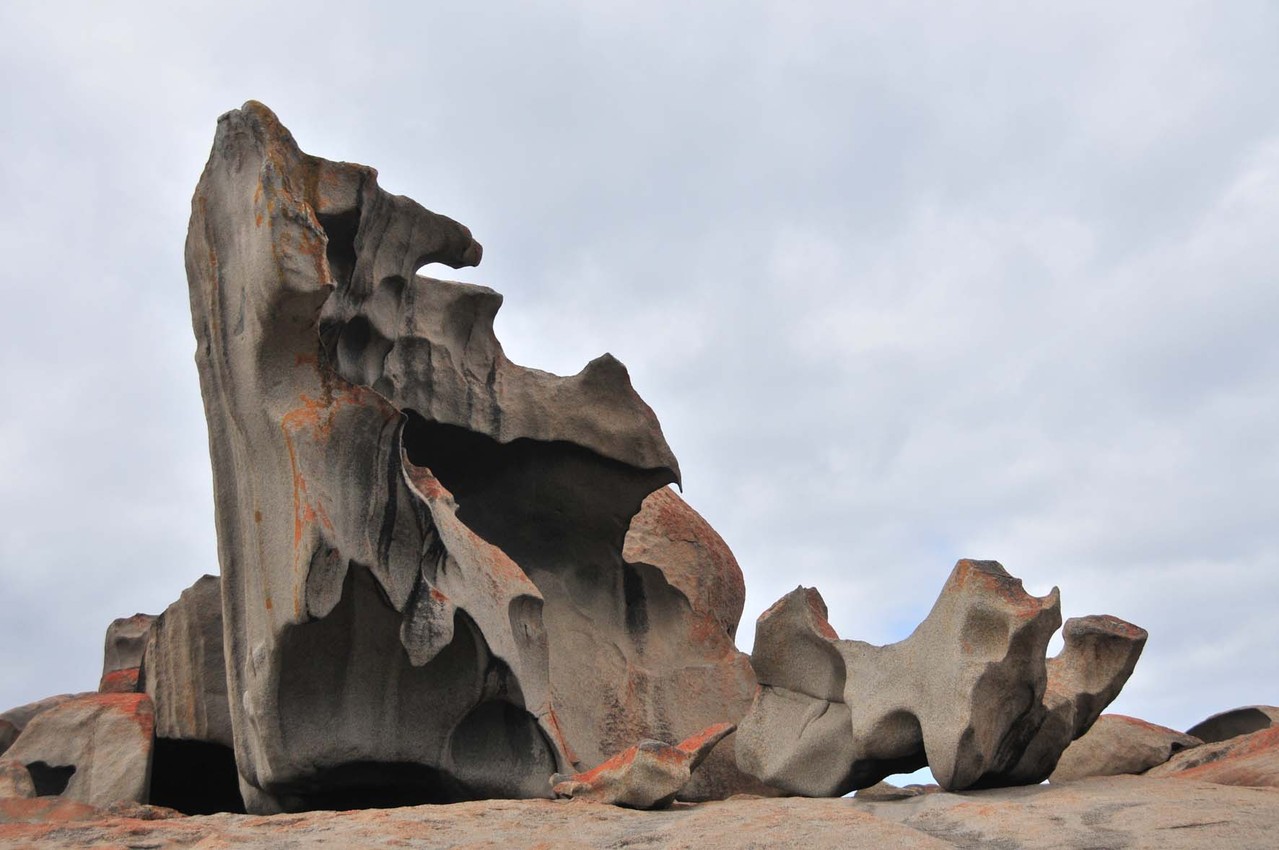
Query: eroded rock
{"type": "Point", "coordinates": [13, 721]}
{"type": "Point", "coordinates": [421, 543]}
{"type": "Point", "coordinates": [969, 693]}
{"type": "Point", "coordinates": [1251, 759]}
{"type": "Point", "coordinates": [126, 641]}
{"type": "Point", "coordinates": [95, 749]}
{"type": "Point", "coordinates": [648, 775]}
{"type": "Point", "coordinates": [15, 779]}
{"type": "Point", "coordinates": [1235, 722]}
{"type": "Point", "coordinates": [1117, 744]}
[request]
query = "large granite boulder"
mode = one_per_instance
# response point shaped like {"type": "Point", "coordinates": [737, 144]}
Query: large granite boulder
{"type": "Point", "coordinates": [13, 721]}
{"type": "Point", "coordinates": [969, 693]}
{"type": "Point", "coordinates": [425, 593]}
{"type": "Point", "coordinates": [1117, 744]}
{"type": "Point", "coordinates": [1235, 722]}
{"type": "Point", "coordinates": [94, 749]}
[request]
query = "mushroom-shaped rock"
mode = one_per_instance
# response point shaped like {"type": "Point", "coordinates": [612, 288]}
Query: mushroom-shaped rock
{"type": "Point", "coordinates": [1251, 759]}
{"type": "Point", "coordinates": [126, 641]}
{"type": "Point", "coordinates": [1235, 722]}
{"type": "Point", "coordinates": [1117, 744]}
{"type": "Point", "coordinates": [1100, 654]}
{"type": "Point", "coordinates": [95, 749]}
{"type": "Point", "coordinates": [648, 775]}
{"type": "Point", "coordinates": [15, 779]}
{"type": "Point", "coordinates": [836, 715]}
{"type": "Point", "coordinates": [421, 543]}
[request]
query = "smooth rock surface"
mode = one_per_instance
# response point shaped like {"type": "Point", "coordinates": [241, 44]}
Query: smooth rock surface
{"type": "Point", "coordinates": [1129, 812]}
{"type": "Point", "coordinates": [421, 542]}
{"type": "Point", "coordinates": [122, 653]}
{"type": "Point", "coordinates": [1117, 744]}
{"type": "Point", "coordinates": [1243, 760]}
{"type": "Point", "coordinates": [93, 749]}
{"type": "Point", "coordinates": [958, 694]}
{"type": "Point", "coordinates": [13, 721]}
{"type": "Point", "coordinates": [646, 776]}
{"type": "Point", "coordinates": [15, 779]}
{"type": "Point", "coordinates": [185, 668]}
{"type": "Point", "coordinates": [1235, 722]}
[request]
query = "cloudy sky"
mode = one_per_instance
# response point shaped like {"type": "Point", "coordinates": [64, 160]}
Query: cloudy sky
{"type": "Point", "coordinates": [956, 280]}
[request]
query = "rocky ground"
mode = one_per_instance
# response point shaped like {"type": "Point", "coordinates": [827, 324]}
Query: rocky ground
{"type": "Point", "coordinates": [1110, 812]}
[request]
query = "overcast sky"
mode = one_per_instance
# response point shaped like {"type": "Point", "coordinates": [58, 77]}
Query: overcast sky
{"type": "Point", "coordinates": [955, 280]}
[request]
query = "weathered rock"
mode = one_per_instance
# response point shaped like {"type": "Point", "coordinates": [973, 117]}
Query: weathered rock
{"type": "Point", "coordinates": [647, 776]}
{"type": "Point", "coordinates": [95, 749]}
{"type": "Point", "coordinates": [882, 792]}
{"type": "Point", "coordinates": [1251, 759]}
{"type": "Point", "coordinates": [15, 779]}
{"type": "Point", "coordinates": [13, 721]}
{"type": "Point", "coordinates": [1235, 722]}
{"type": "Point", "coordinates": [421, 542]}
{"type": "Point", "coordinates": [125, 643]}
{"type": "Point", "coordinates": [1100, 654]}
{"type": "Point", "coordinates": [1129, 812]}
{"type": "Point", "coordinates": [1117, 744]}
{"type": "Point", "coordinates": [958, 694]}
{"type": "Point", "coordinates": [185, 668]}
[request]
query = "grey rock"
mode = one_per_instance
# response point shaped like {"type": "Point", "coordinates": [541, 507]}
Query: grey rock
{"type": "Point", "coordinates": [15, 780]}
{"type": "Point", "coordinates": [13, 721]}
{"type": "Point", "coordinates": [95, 749]}
{"type": "Point", "coordinates": [1100, 654]}
{"type": "Point", "coordinates": [646, 776]}
{"type": "Point", "coordinates": [421, 542]}
{"type": "Point", "coordinates": [126, 641]}
{"type": "Point", "coordinates": [1235, 722]}
{"type": "Point", "coordinates": [1117, 744]}
{"type": "Point", "coordinates": [836, 715]}
{"type": "Point", "coordinates": [184, 667]}
{"type": "Point", "coordinates": [882, 792]}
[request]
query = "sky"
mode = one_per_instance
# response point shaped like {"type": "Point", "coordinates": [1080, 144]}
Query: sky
{"type": "Point", "coordinates": [908, 285]}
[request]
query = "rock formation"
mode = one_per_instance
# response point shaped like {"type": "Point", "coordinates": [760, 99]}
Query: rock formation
{"type": "Point", "coordinates": [1251, 759]}
{"type": "Point", "coordinates": [94, 748]}
{"type": "Point", "coordinates": [1235, 722]}
{"type": "Point", "coordinates": [964, 694]}
{"type": "Point", "coordinates": [13, 721]}
{"type": "Point", "coordinates": [1117, 744]}
{"type": "Point", "coordinates": [646, 776]}
{"type": "Point", "coordinates": [125, 643]}
{"type": "Point", "coordinates": [15, 779]}
{"type": "Point", "coordinates": [425, 590]}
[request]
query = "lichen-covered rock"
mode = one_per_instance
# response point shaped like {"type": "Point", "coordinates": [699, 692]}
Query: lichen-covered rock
{"type": "Point", "coordinates": [1251, 759]}
{"type": "Point", "coordinates": [1235, 722]}
{"type": "Point", "coordinates": [425, 591]}
{"type": "Point", "coordinates": [1100, 654]}
{"type": "Point", "coordinates": [15, 779]}
{"type": "Point", "coordinates": [184, 667]}
{"type": "Point", "coordinates": [126, 641]}
{"type": "Point", "coordinates": [649, 775]}
{"type": "Point", "coordinates": [94, 749]}
{"type": "Point", "coordinates": [1117, 744]}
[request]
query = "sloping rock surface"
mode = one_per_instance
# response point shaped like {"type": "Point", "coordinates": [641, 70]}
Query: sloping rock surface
{"type": "Point", "coordinates": [421, 543]}
{"type": "Point", "coordinates": [1243, 760]}
{"type": "Point", "coordinates": [1117, 744]}
{"type": "Point", "coordinates": [13, 721]}
{"type": "Point", "coordinates": [1133, 813]}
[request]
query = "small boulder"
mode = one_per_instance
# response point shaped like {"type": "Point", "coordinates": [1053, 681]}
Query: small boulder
{"type": "Point", "coordinates": [1235, 722]}
{"type": "Point", "coordinates": [15, 780]}
{"type": "Point", "coordinates": [646, 776]}
{"type": "Point", "coordinates": [1117, 744]}
{"type": "Point", "coordinates": [1251, 760]}
{"type": "Point", "coordinates": [94, 748]}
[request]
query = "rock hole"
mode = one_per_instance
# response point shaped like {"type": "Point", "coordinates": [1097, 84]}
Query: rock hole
{"type": "Point", "coordinates": [195, 777]}
{"type": "Point", "coordinates": [50, 780]}
{"type": "Point", "coordinates": [340, 228]}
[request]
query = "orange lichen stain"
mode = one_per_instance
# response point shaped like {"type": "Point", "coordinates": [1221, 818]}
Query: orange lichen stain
{"type": "Point", "coordinates": [257, 516]}
{"type": "Point", "coordinates": [257, 220]}
{"type": "Point", "coordinates": [119, 681]}
{"type": "Point", "coordinates": [695, 742]}
{"type": "Point", "coordinates": [306, 360]}
{"type": "Point", "coordinates": [268, 603]}
{"type": "Point", "coordinates": [553, 725]}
